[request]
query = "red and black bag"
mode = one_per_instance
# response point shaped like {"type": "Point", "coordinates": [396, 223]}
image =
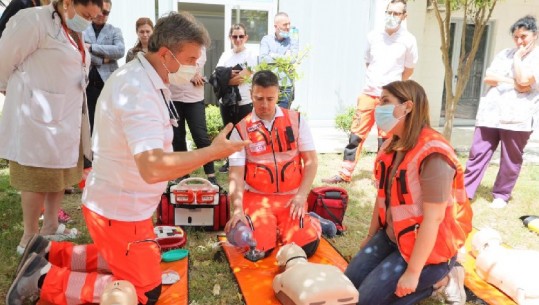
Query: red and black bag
{"type": "Point", "coordinates": [195, 205]}
{"type": "Point", "coordinates": [329, 202]}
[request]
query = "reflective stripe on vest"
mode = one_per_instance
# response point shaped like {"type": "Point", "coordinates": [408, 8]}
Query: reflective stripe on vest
{"type": "Point", "coordinates": [406, 200]}
{"type": "Point", "coordinates": [273, 163]}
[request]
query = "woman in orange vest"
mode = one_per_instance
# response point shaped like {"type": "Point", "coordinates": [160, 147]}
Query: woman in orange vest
{"type": "Point", "coordinates": [421, 215]}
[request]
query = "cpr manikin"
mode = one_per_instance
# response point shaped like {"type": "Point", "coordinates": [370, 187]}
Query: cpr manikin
{"type": "Point", "coordinates": [119, 293]}
{"type": "Point", "coordinates": [512, 271]}
{"type": "Point", "coordinates": [309, 283]}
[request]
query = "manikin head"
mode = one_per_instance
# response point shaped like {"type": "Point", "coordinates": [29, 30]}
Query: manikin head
{"type": "Point", "coordinates": [485, 239]}
{"type": "Point", "coordinates": [119, 293]}
{"type": "Point", "coordinates": [290, 254]}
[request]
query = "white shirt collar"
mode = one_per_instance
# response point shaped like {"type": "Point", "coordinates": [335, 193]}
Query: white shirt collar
{"type": "Point", "coordinates": [152, 74]}
{"type": "Point", "coordinates": [278, 113]}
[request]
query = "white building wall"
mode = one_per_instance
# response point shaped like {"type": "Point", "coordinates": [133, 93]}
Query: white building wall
{"type": "Point", "coordinates": [333, 72]}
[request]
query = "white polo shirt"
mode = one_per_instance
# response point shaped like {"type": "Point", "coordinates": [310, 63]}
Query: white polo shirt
{"type": "Point", "coordinates": [386, 57]}
{"type": "Point", "coordinates": [131, 117]}
{"type": "Point", "coordinates": [305, 139]}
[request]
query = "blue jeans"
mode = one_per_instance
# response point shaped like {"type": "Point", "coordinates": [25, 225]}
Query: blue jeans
{"type": "Point", "coordinates": [286, 97]}
{"type": "Point", "coordinates": [377, 267]}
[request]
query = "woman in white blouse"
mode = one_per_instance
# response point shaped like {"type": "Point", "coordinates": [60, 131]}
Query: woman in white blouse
{"type": "Point", "coordinates": [239, 55]}
{"type": "Point", "coordinates": [506, 113]}
{"type": "Point", "coordinates": [43, 75]}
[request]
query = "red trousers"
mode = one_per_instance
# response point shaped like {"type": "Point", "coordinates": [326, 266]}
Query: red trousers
{"type": "Point", "coordinates": [121, 251]}
{"type": "Point", "coordinates": [272, 222]}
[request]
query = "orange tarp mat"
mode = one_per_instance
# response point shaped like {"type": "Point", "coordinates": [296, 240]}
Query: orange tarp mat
{"type": "Point", "coordinates": [178, 293]}
{"type": "Point", "coordinates": [255, 279]}
{"type": "Point", "coordinates": [480, 288]}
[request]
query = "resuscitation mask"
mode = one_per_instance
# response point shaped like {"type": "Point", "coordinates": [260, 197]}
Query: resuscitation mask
{"type": "Point", "coordinates": [383, 115]}
{"type": "Point", "coordinates": [77, 23]}
{"type": "Point", "coordinates": [392, 22]}
{"type": "Point", "coordinates": [184, 74]}
{"type": "Point", "coordinates": [284, 34]}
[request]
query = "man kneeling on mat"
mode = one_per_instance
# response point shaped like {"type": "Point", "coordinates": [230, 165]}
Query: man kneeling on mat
{"type": "Point", "coordinates": [271, 177]}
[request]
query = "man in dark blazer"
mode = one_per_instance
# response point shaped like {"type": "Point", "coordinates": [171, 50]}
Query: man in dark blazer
{"type": "Point", "coordinates": [106, 45]}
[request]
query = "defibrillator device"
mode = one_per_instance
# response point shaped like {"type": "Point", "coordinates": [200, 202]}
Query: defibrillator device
{"type": "Point", "coordinates": [194, 202]}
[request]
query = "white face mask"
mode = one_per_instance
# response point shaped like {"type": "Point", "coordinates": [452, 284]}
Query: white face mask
{"type": "Point", "coordinates": [77, 23]}
{"type": "Point", "coordinates": [383, 115]}
{"type": "Point", "coordinates": [183, 75]}
{"type": "Point", "coordinates": [392, 22]}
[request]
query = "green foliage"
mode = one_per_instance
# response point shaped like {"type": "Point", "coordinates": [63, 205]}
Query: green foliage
{"type": "Point", "coordinates": [285, 67]}
{"type": "Point", "coordinates": [343, 121]}
{"type": "Point", "coordinates": [214, 122]}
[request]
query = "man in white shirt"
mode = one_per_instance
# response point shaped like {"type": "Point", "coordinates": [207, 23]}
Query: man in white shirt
{"type": "Point", "coordinates": [391, 55]}
{"type": "Point", "coordinates": [133, 162]}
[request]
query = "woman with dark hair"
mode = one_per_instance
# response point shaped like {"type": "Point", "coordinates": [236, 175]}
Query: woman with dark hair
{"type": "Point", "coordinates": [413, 239]}
{"type": "Point", "coordinates": [40, 129]}
{"type": "Point", "coordinates": [144, 28]}
{"type": "Point", "coordinates": [506, 114]}
{"type": "Point", "coordinates": [240, 58]}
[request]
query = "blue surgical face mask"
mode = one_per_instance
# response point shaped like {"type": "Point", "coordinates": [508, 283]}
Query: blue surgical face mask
{"type": "Point", "coordinates": [77, 23]}
{"type": "Point", "coordinates": [385, 120]}
{"type": "Point", "coordinates": [284, 34]}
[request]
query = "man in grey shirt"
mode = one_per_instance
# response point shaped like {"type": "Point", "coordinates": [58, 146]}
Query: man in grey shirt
{"type": "Point", "coordinates": [279, 44]}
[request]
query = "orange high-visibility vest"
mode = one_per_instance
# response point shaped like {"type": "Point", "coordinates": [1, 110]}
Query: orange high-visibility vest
{"type": "Point", "coordinates": [273, 163]}
{"type": "Point", "coordinates": [406, 202]}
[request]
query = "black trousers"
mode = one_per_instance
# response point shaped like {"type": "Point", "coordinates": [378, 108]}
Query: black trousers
{"type": "Point", "coordinates": [195, 116]}
{"type": "Point", "coordinates": [93, 90]}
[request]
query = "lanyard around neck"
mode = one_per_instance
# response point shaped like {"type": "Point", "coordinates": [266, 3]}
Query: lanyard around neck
{"type": "Point", "coordinates": [174, 116]}
{"type": "Point", "coordinates": [78, 45]}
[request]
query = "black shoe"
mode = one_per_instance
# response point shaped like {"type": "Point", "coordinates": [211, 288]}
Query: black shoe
{"type": "Point", "coordinates": [26, 283]}
{"type": "Point", "coordinates": [213, 180]}
{"type": "Point", "coordinates": [38, 245]}
{"type": "Point", "coordinates": [224, 168]}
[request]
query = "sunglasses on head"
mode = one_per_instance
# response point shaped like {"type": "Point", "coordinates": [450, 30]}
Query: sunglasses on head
{"type": "Point", "coordinates": [105, 13]}
{"type": "Point", "coordinates": [237, 36]}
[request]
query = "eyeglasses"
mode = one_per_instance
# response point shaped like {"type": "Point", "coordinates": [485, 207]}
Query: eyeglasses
{"type": "Point", "coordinates": [105, 13]}
{"type": "Point", "coordinates": [396, 14]}
{"type": "Point", "coordinates": [237, 36]}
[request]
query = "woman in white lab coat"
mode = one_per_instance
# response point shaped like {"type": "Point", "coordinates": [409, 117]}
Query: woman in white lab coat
{"type": "Point", "coordinates": [43, 75]}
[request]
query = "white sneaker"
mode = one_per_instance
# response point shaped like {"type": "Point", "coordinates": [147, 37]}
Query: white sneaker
{"type": "Point", "coordinates": [454, 292]}
{"type": "Point", "coordinates": [498, 203]}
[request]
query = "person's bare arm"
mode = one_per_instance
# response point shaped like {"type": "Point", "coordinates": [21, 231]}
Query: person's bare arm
{"type": "Point", "coordinates": [407, 73]}
{"type": "Point", "coordinates": [156, 165]}
{"type": "Point", "coordinates": [433, 215]}
{"type": "Point", "coordinates": [236, 187]}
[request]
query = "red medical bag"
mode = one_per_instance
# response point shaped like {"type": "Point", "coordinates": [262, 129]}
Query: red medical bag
{"type": "Point", "coordinates": [194, 202]}
{"type": "Point", "coordinates": [329, 202]}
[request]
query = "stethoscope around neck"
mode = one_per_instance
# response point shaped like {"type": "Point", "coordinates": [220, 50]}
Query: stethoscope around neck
{"type": "Point", "coordinates": [172, 111]}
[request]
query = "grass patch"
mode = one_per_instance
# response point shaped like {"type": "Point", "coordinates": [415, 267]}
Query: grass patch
{"type": "Point", "coordinates": [208, 267]}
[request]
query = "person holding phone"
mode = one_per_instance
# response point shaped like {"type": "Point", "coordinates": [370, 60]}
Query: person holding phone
{"type": "Point", "coordinates": [240, 58]}
{"type": "Point", "coordinates": [188, 97]}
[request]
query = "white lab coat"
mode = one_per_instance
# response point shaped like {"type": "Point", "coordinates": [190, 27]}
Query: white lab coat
{"type": "Point", "coordinates": [44, 79]}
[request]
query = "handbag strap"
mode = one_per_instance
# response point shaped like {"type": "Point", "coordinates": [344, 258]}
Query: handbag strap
{"type": "Point", "coordinates": [335, 218]}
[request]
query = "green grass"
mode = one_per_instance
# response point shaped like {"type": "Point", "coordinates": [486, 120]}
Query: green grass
{"type": "Point", "coordinates": [208, 267]}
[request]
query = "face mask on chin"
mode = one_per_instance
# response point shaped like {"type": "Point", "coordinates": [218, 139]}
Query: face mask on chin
{"type": "Point", "coordinates": [392, 22]}
{"type": "Point", "coordinates": [77, 23]}
{"type": "Point", "coordinates": [184, 74]}
{"type": "Point", "coordinates": [383, 115]}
